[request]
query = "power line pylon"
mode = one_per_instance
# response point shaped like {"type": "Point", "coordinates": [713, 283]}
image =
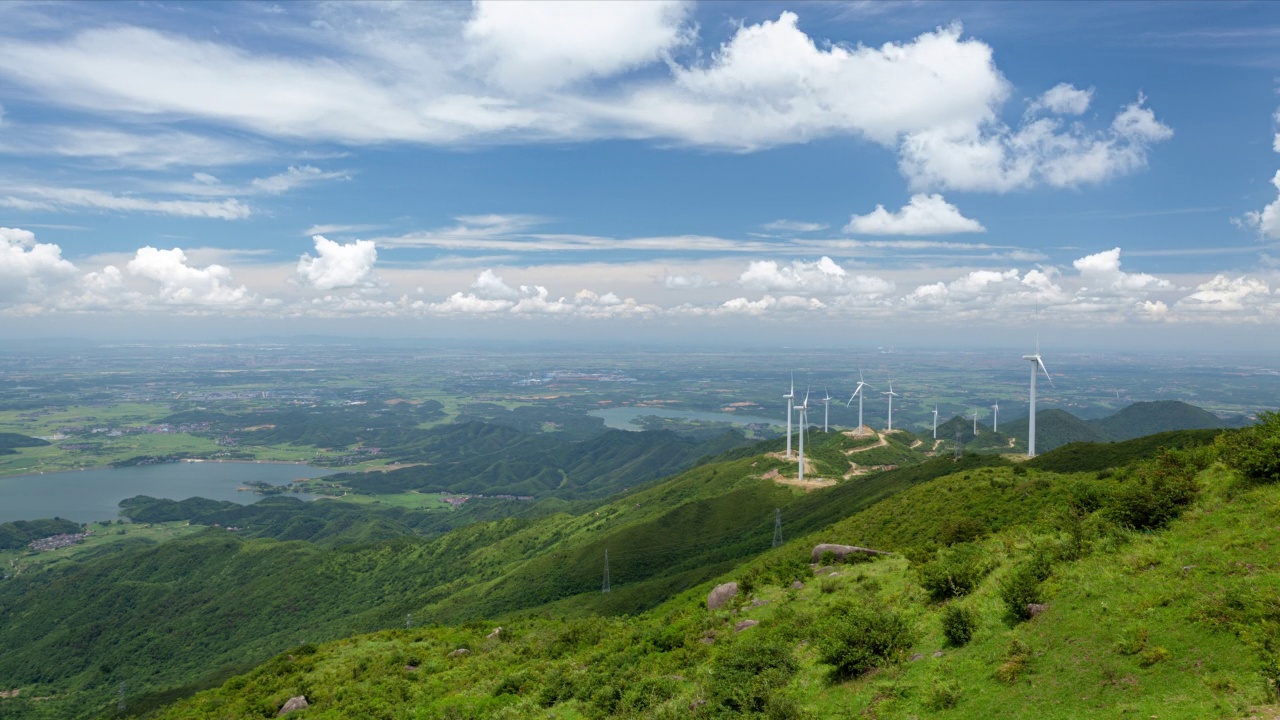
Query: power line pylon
{"type": "Point", "coordinates": [777, 527]}
{"type": "Point", "coordinates": [605, 587]}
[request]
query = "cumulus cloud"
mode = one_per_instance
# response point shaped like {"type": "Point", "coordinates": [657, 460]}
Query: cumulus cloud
{"type": "Point", "coordinates": [923, 215]}
{"type": "Point", "coordinates": [686, 282]}
{"type": "Point", "coordinates": [181, 284]}
{"type": "Point", "coordinates": [822, 276]}
{"type": "Point", "coordinates": [1267, 220]}
{"type": "Point", "coordinates": [1223, 294]}
{"type": "Point", "coordinates": [29, 269]}
{"type": "Point", "coordinates": [338, 265]}
{"type": "Point", "coordinates": [1062, 99]}
{"type": "Point", "coordinates": [1102, 275]}
{"type": "Point", "coordinates": [490, 295]}
{"type": "Point", "coordinates": [988, 291]}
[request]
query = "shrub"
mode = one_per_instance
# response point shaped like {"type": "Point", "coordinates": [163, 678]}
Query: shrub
{"type": "Point", "coordinates": [828, 557]}
{"type": "Point", "coordinates": [963, 530]}
{"type": "Point", "coordinates": [745, 674]}
{"type": "Point", "coordinates": [748, 581]}
{"type": "Point", "coordinates": [1254, 452]}
{"type": "Point", "coordinates": [944, 694]}
{"type": "Point", "coordinates": [1154, 655]}
{"type": "Point", "coordinates": [857, 638]}
{"type": "Point", "coordinates": [1155, 492]}
{"type": "Point", "coordinates": [1016, 658]}
{"type": "Point", "coordinates": [954, 573]}
{"type": "Point", "coordinates": [958, 623]}
{"type": "Point", "coordinates": [1021, 586]}
{"type": "Point", "coordinates": [828, 585]}
{"type": "Point", "coordinates": [1132, 642]}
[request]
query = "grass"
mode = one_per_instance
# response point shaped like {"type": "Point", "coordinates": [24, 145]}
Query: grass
{"type": "Point", "coordinates": [105, 537]}
{"type": "Point", "coordinates": [411, 500]}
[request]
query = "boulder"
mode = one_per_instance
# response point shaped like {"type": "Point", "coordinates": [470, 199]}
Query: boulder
{"type": "Point", "coordinates": [293, 703]}
{"type": "Point", "coordinates": [842, 550]}
{"type": "Point", "coordinates": [494, 635]}
{"type": "Point", "coordinates": [745, 624]}
{"type": "Point", "coordinates": [796, 584]}
{"type": "Point", "coordinates": [721, 595]}
{"type": "Point", "coordinates": [460, 652]}
{"type": "Point", "coordinates": [1034, 609]}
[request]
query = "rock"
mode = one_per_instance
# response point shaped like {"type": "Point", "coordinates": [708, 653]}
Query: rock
{"type": "Point", "coordinates": [293, 703]}
{"type": "Point", "coordinates": [916, 656]}
{"type": "Point", "coordinates": [411, 668]}
{"type": "Point", "coordinates": [460, 652]}
{"type": "Point", "coordinates": [937, 653]}
{"type": "Point", "coordinates": [842, 550]}
{"type": "Point", "coordinates": [1034, 609]}
{"type": "Point", "coordinates": [758, 602]}
{"type": "Point", "coordinates": [823, 570]}
{"type": "Point", "coordinates": [721, 595]}
{"type": "Point", "coordinates": [494, 635]}
{"type": "Point", "coordinates": [707, 640]}
{"type": "Point", "coordinates": [745, 624]}
{"type": "Point", "coordinates": [797, 585]}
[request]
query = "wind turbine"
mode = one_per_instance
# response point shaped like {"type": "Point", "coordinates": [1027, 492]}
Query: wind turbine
{"type": "Point", "coordinates": [891, 395]}
{"type": "Point", "coordinates": [857, 393]}
{"type": "Point", "coordinates": [791, 396]}
{"type": "Point", "coordinates": [826, 408]}
{"type": "Point", "coordinates": [1036, 364]}
{"type": "Point", "coordinates": [935, 421]}
{"type": "Point", "coordinates": [975, 423]}
{"type": "Point", "coordinates": [803, 409]}
{"type": "Point", "coordinates": [995, 417]}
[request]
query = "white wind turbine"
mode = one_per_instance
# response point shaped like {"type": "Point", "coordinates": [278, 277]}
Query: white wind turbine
{"type": "Point", "coordinates": [826, 408]}
{"type": "Point", "coordinates": [935, 421]}
{"type": "Point", "coordinates": [995, 417]}
{"type": "Point", "coordinates": [975, 423]}
{"type": "Point", "coordinates": [791, 396]}
{"type": "Point", "coordinates": [891, 395]}
{"type": "Point", "coordinates": [1036, 364]}
{"type": "Point", "coordinates": [803, 409]}
{"type": "Point", "coordinates": [857, 393]}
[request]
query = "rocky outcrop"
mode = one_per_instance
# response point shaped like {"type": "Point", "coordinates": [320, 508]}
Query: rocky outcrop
{"type": "Point", "coordinates": [460, 652]}
{"type": "Point", "coordinates": [745, 624]}
{"type": "Point", "coordinates": [294, 703]}
{"type": "Point", "coordinates": [842, 550]}
{"type": "Point", "coordinates": [721, 595]}
{"type": "Point", "coordinates": [1034, 609]}
{"type": "Point", "coordinates": [497, 632]}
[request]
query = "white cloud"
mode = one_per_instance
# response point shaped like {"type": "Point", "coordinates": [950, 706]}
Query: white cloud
{"type": "Point", "coordinates": [154, 150]}
{"type": "Point", "coordinates": [1227, 295]}
{"type": "Point", "coordinates": [36, 197]}
{"type": "Point", "coordinates": [491, 287]}
{"type": "Point", "coordinates": [1267, 220]}
{"type": "Point", "coordinates": [1062, 99]}
{"type": "Point", "coordinates": [181, 284]}
{"type": "Point", "coordinates": [686, 282]}
{"type": "Point", "coordinates": [923, 215]}
{"type": "Point", "coordinates": [1102, 274]}
{"type": "Point", "coordinates": [795, 226]}
{"type": "Point", "coordinates": [29, 269]}
{"type": "Point", "coordinates": [537, 46]}
{"type": "Point", "coordinates": [490, 295]}
{"type": "Point", "coordinates": [996, 158]}
{"type": "Point", "coordinates": [294, 177]}
{"type": "Point", "coordinates": [822, 276]}
{"type": "Point", "coordinates": [332, 229]}
{"type": "Point", "coordinates": [338, 265]}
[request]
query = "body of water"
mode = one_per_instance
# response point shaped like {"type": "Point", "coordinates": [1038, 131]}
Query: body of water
{"type": "Point", "coordinates": [621, 417]}
{"type": "Point", "coordinates": [89, 495]}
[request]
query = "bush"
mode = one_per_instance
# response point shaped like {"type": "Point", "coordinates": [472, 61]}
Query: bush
{"type": "Point", "coordinates": [856, 638]}
{"type": "Point", "coordinates": [1155, 493]}
{"type": "Point", "coordinates": [954, 573]}
{"type": "Point", "coordinates": [1021, 586]}
{"type": "Point", "coordinates": [1016, 658]}
{"type": "Point", "coordinates": [744, 675]}
{"type": "Point", "coordinates": [963, 530]}
{"type": "Point", "coordinates": [828, 557]}
{"type": "Point", "coordinates": [944, 694]}
{"type": "Point", "coordinates": [958, 623]}
{"type": "Point", "coordinates": [1254, 452]}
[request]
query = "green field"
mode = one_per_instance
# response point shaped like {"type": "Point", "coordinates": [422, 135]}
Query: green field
{"type": "Point", "coordinates": [105, 537]}
{"type": "Point", "coordinates": [410, 500]}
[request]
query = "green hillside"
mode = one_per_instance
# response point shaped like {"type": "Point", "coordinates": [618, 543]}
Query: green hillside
{"type": "Point", "coordinates": [9, 442]}
{"type": "Point", "coordinates": [18, 533]}
{"type": "Point", "coordinates": [1055, 428]}
{"type": "Point", "coordinates": [1148, 418]}
{"type": "Point", "coordinates": [1094, 456]}
{"type": "Point", "coordinates": [1155, 592]}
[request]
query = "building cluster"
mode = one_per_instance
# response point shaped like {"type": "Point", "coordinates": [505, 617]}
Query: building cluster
{"type": "Point", "coordinates": [53, 542]}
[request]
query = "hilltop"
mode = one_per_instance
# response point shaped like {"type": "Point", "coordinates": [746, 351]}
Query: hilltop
{"type": "Point", "coordinates": [1149, 418]}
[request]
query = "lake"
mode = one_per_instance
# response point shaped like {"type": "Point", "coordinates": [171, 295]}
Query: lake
{"type": "Point", "coordinates": [620, 417]}
{"type": "Point", "coordinates": [89, 495]}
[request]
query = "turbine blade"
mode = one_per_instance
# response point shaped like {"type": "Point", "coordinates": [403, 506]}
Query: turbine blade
{"type": "Point", "coordinates": [1045, 369]}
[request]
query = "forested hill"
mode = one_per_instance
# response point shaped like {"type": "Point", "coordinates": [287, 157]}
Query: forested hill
{"type": "Point", "coordinates": [10, 441]}
{"type": "Point", "coordinates": [1055, 428]}
{"type": "Point", "coordinates": [1149, 418]}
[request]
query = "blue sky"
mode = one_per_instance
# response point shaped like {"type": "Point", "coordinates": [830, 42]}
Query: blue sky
{"type": "Point", "coordinates": [583, 169]}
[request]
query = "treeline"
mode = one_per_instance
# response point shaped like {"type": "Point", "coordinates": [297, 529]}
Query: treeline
{"type": "Point", "coordinates": [17, 534]}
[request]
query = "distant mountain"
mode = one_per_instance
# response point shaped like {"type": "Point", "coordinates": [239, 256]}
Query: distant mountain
{"type": "Point", "coordinates": [1149, 418]}
{"type": "Point", "coordinates": [1055, 428]}
{"type": "Point", "coordinates": [959, 428]}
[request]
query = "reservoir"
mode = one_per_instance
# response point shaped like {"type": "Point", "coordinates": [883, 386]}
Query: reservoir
{"type": "Point", "coordinates": [620, 417]}
{"type": "Point", "coordinates": [89, 495]}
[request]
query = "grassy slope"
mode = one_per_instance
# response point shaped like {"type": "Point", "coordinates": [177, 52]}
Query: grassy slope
{"type": "Point", "coordinates": [1183, 586]}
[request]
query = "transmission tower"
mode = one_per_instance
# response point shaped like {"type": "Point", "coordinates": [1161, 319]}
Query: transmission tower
{"type": "Point", "coordinates": [777, 527]}
{"type": "Point", "coordinates": [605, 587]}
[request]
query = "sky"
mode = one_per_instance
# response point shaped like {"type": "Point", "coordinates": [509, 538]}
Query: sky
{"type": "Point", "coordinates": [877, 172]}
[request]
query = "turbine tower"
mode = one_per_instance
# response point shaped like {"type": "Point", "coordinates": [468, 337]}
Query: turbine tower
{"type": "Point", "coordinates": [791, 396]}
{"type": "Point", "coordinates": [995, 417]}
{"type": "Point", "coordinates": [826, 409]}
{"type": "Point", "coordinates": [935, 421]}
{"type": "Point", "coordinates": [891, 395]}
{"type": "Point", "coordinates": [803, 409]}
{"type": "Point", "coordinates": [975, 423]}
{"type": "Point", "coordinates": [857, 393]}
{"type": "Point", "coordinates": [1036, 364]}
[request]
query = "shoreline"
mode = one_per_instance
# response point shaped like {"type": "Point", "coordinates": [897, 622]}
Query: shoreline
{"type": "Point", "coordinates": [192, 461]}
